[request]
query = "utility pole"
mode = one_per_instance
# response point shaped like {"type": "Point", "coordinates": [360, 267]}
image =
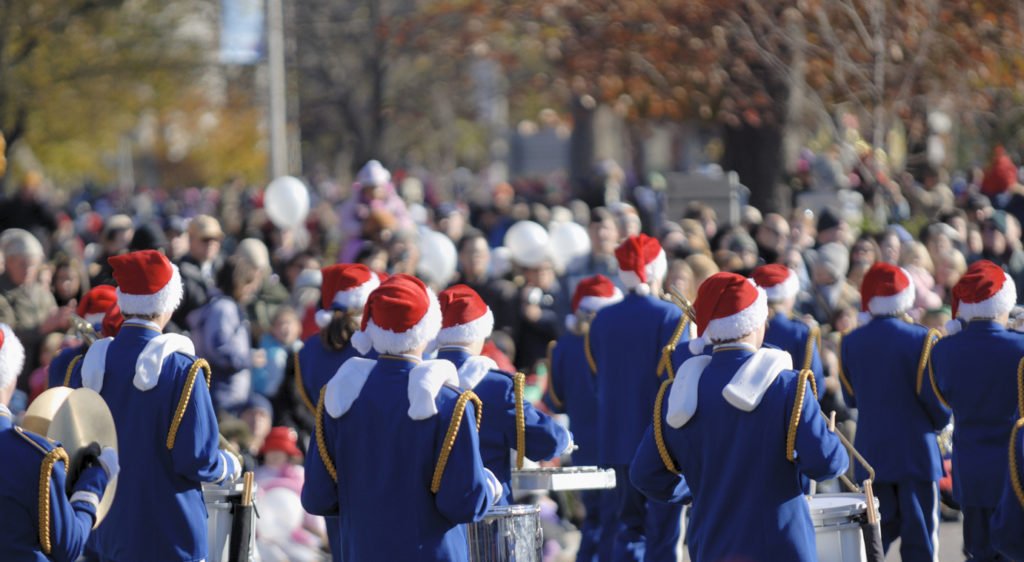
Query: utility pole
{"type": "Point", "coordinates": [278, 107]}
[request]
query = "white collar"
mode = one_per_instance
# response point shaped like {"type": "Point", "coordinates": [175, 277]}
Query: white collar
{"type": "Point", "coordinates": [142, 322]}
{"type": "Point", "coordinates": [734, 344]}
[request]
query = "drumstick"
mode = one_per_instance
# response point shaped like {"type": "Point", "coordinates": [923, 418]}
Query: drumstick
{"type": "Point", "coordinates": [247, 488]}
{"type": "Point", "coordinates": [832, 422]}
{"type": "Point", "coordinates": [870, 497]}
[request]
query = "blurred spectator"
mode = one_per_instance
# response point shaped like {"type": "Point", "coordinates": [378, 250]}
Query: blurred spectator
{"type": "Point", "coordinates": [830, 227]}
{"type": "Point", "coordinates": [258, 415]}
{"type": "Point", "coordinates": [26, 209]}
{"type": "Point", "coordinates": [114, 238]}
{"type": "Point", "coordinates": [542, 306]}
{"type": "Point", "coordinates": [704, 215]}
{"type": "Point", "coordinates": [830, 291]}
{"type": "Point", "coordinates": [949, 267]}
{"type": "Point", "coordinates": [474, 272]}
{"type": "Point", "coordinates": [271, 294]}
{"type": "Point", "coordinates": [695, 237]}
{"type": "Point", "coordinates": [916, 261]}
{"type": "Point", "coordinates": [604, 237]}
{"type": "Point", "coordinates": [277, 344]}
{"type": "Point", "coordinates": [931, 195]}
{"type": "Point", "coordinates": [69, 281]}
{"type": "Point", "coordinates": [772, 237]}
{"type": "Point", "coordinates": [680, 275]}
{"type": "Point", "coordinates": [1001, 244]}
{"type": "Point", "coordinates": [49, 349]}
{"type": "Point", "coordinates": [149, 236]}
{"type": "Point", "coordinates": [703, 267]}
{"type": "Point", "coordinates": [891, 246]}
{"type": "Point", "coordinates": [199, 266]}
{"type": "Point", "coordinates": [373, 199]}
{"type": "Point", "coordinates": [863, 255]}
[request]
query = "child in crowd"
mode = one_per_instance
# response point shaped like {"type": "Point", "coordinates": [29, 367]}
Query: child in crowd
{"type": "Point", "coordinates": [282, 340]}
{"type": "Point", "coordinates": [47, 351]}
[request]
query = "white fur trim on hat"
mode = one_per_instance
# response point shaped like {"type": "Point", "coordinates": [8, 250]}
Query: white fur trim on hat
{"type": "Point", "coordinates": [592, 303]}
{"type": "Point", "coordinates": [997, 304]}
{"type": "Point", "coordinates": [425, 382]}
{"type": "Point", "coordinates": [894, 305]}
{"type": "Point", "coordinates": [323, 318]}
{"type": "Point", "coordinates": [470, 332]}
{"type": "Point", "coordinates": [151, 360]}
{"type": "Point", "coordinates": [387, 341]}
{"type": "Point", "coordinates": [362, 342]}
{"type": "Point", "coordinates": [697, 345]}
{"type": "Point", "coordinates": [356, 296]}
{"type": "Point", "coordinates": [654, 270]}
{"type": "Point", "coordinates": [741, 323]}
{"type": "Point", "coordinates": [12, 357]}
{"type": "Point", "coordinates": [346, 384]}
{"type": "Point", "coordinates": [788, 288]}
{"type": "Point", "coordinates": [161, 302]}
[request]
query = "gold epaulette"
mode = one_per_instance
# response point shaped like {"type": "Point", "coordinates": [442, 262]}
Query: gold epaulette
{"type": "Point", "coordinates": [321, 439]}
{"type": "Point", "coordinates": [839, 361]}
{"type": "Point", "coordinates": [659, 431]}
{"type": "Point", "coordinates": [926, 352]}
{"type": "Point", "coordinates": [186, 395]}
{"type": "Point", "coordinates": [1015, 482]}
{"type": "Point", "coordinates": [806, 375]}
{"type": "Point", "coordinates": [590, 356]}
{"type": "Point", "coordinates": [298, 383]}
{"type": "Point", "coordinates": [453, 432]}
{"type": "Point", "coordinates": [518, 389]}
{"type": "Point", "coordinates": [71, 367]}
{"type": "Point", "coordinates": [551, 381]}
{"type": "Point", "coordinates": [813, 337]}
{"type": "Point", "coordinates": [45, 471]}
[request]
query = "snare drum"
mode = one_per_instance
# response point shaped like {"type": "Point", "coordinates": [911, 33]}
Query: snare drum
{"type": "Point", "coordinates": [837, 526]}
{"type": "Point", "coordinates": [507, 533]}
{"type": "Point", "coordinates": [220, 502]}
{"type": "Point", "coordinates": [563, 478]}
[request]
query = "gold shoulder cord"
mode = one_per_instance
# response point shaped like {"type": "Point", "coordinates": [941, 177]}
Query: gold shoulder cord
{"type": "Point", "coordinates": [551, 380]}
{"type": "Point", "coordinates": [518, 382]}
{"type": "Point", "coordinates": [806, 375]}
{"type": "Point", "coordinates": [926, 352]}
{"type": "Point", "coordinates": [298, 383]}
{"type": "Point", "coordinates": [1018, 489]}
{"type": "Point", "coordinates": [1020, 388]}
{"type": "Point", "coordinates": [935, 387]}
{"type": "Point", "coordinates": [453, 432]}
{"type": "Point", "coordinates": [590, 356]}
{"type": "Point", "coordinates": [813, 336]}
{"type": "Point", "coordinates": [665, 363]}
{"type": "Point", "coordinates": [71, 368]}
{"type": "Point", "coordinates": [321, 439]}
{"type": "Point", "coordinates": [842, 375]}
{"type": "Point", "coordinates": [186, 394]}
{"type": "Point", "coordinates": [659, 431]}
{"type": "Point", "coordinates": [45, 470]}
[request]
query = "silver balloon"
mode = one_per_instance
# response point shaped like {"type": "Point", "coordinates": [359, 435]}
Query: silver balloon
{"type": "Point", "coordinates": [286, 201]}
{"type": "Point", "coordinates": [528, 243]}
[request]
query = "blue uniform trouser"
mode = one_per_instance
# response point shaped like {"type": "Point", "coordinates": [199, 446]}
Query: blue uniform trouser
{"type": "Point", "coordinates": [333, 536]}
{"type": "Point", "coordinates": [648, 530]}
{"type": "Point", "coordinates": [910, 511]}
{"type": "Point", "coordinates": [977, 533]}
{"type": "Point", "coordinates": [590, 529]}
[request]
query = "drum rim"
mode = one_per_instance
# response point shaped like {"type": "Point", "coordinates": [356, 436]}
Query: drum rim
{"type": "Point", "coordinates": [513, 509]}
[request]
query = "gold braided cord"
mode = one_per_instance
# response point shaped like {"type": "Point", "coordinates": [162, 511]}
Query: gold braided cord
{"type": "Point", "coordinates": [298, 383]}
{"type": "Point", "coordinates": [1020, 388]}
{"type": "Point", "coordinates": [1018, 489]}
{"type": "Point", "coordinates": [666, 352]}
{"type": "Point", "coordinates": [590, 356]}
{"type": "Point", "coordinates": [935, 387]}
{"type": "Point", "coordinates": [452, 433]}
{"type": "Point", "coordinates": [659, 431]}
{"type": "Point", "coordinates": [321, 439]}
{"type": "Point", "coordinates": [551, 379]}
{"type": "Point", "coordinates": [45, 470]}
{"type": "Point", "coordinates": [186, 394]}
{"type": "Point", "coordinates": [518, 384]}
{"type": "Point", "coordinates": [71, 367]}
{"type": "Point", "coordinates": [813, 336]}
{"type": "Point", "coordinates": [926, 352]}
{"type": "Point", "coordinates": [842, 375]}
{"type": "Point", "coordinates": [798, 406]}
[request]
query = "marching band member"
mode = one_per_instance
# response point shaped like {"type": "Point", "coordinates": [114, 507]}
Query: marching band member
{"type": "Point", "coordinates": [1008, 521]}
{"type": "Point", "coordinates": [572, 389]}
{"type": "Point", "coordinates": [626, 341]}
{"type": "Point", "coordinates": [396, 454]}
{"type": "Point", "coordinates": [466, 322]}
{"type": "Point", "coordinates": [95, 303]}
{"type": "Point", "coordinates": [738, 429]}
{"type": "Point", "coordinates": [801, 341]}
{"type": "Point", "coordinates": [166, 427]}
{"type": "Point", "coordinates": [975, 376]}
{"type": "Point", "coordinates": [30, 459]}
{"type": "Point", "coordinates": [882, 368]}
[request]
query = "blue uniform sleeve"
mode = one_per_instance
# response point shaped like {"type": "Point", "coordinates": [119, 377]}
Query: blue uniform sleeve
{"type": "Point", "coordinates": [938, 413]}
{"type": "Point", "coordinates": [1008, 519]}
{"type": "Point", "coordinates": [545, 438]}
{"type": "Point", "coordinates": [319, 491]}
{"type": "Point", "coordinates": [71, 520]}
{"type": "Point", "coordinates": [650, 475]}
{"type": "Point", "coordinates": [464, 494]}
{"type": "Point", "coordinates": [194, 453]}
{"type": "Point", "coordinates": [819, 452]}
{"type": "Point", "coordinates": [844, 377]}
{"type": "Point", "coordinates": [58, 368]}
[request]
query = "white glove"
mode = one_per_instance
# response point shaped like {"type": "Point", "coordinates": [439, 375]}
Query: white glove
{"type": "Point", "coordinates": [571, 446]}
{"type": "Point", "coordinates": [495, 485]}
{"type": "Point", "coordinates": [233, 469]}
{"type": "Point", "coordinates": [108, 459]}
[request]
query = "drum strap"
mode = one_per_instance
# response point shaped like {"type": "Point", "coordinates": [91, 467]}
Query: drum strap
{"type": "Point", "coordinates": [813, 337]}
{"type": "Point", "coordinates": [659, 430]}
{"type": "Point", "coordinates": [518, 384]}
{"type": "Point", "coordinates": [842, 374]}
{"type": "Point", "coordinates": [321, 439]}
{"type": "Point", "coordinates": [587, 352]}
{"type": "Point", "coordinates": [45, 471]}
{"type": "Point", "coordinates": [926, 352]}
{"type": "Point", "coordinates": [1018, 489]}
{"type": "Point", "coordinates": [806, 375]}
{"type": "Point", "coordinates": [71, 368]}
{"type": "Point", "coordinates": [299, 385]}
{"type": "Point", "coordinates": [186, 394]}
{"type": "Point", "coordinates": [551, 380]}
{"type": "Point", "coordinates": [453, 432]}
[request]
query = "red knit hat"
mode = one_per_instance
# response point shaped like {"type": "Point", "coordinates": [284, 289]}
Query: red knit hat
{"type": "Point", "coordinates": [1000, 174]}
{"type": "Point", "coordinates": [147, 283]}
{"type": "Point", "coordinates": [778, 281]}
{"type": "Point", "coordinates": [466, 318]}
{"type": "Point", "coordinates": [728, 307]}
{"type": "Point", "coordinates": [984, 291]}
{"type": "Point", "coordinates": [112, 321]}
{"type": "Point", "coordinates": [641, 259]}
{"type": "Point", "coordinates": [345, 286]}
{"type": "Point", "coordinates": [96, 302]}
{"type": "Point", "coordinates": [886, 290]}
{"type": "Point", "coordinates": [12, 356]}
{"type": "Point", "coordinates": [281, 438]}
{"type": "Point", "coordinates": [400, 315]}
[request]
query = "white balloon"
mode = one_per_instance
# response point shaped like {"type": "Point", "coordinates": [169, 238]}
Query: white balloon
{"type": "Point", "coordinates": [280, 513]}
{"type": "Point", "coordinates": [438, 258]}
{"type": "Point", "coordinates": [528, 243]}
{"type": "Point", "coordinates": [286, 202]}
{"type": "Point", "coordinates": [568, 240]}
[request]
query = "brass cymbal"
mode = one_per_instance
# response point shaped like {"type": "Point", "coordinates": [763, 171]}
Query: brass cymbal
{"type": "Point", "coordinates": [41, 411]}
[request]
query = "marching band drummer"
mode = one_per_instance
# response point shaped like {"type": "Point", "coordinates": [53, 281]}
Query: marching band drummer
{"type": "Point", "coordinates": [166, 427]}
{"type": "Point", "coordinates": [572, 389]}
{"type": "Point", "coordinates": [466, 323]}
{"type": "Point", "coordinates": [397, 454]}
{"type": "Point", "coordinates": [626, 341]}
{"type": "Point", "coordinates": [92, 309]}
{"type": "Point", "coordinates": [27, 504]}
{"type": "Point", "coordinates": [737, 430]}
{"type": "Point", "coordinates": [882, 371]}
{"type": "Point", "coordinates": [975, 376]}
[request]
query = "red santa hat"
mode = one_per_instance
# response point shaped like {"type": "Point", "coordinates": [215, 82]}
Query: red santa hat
{"type": "Point", "coordinates": [346, 286]}
{"type": "Point", "coordinates": [886, 290]}
{"type": "Point", "coordinates": [465, 317]}
{"type": "Point", "coordinates": [147, 283]}
{"type": "Point", "coordinates": [96, 302]}
{"type": "Point", "coordinates": [592, 294]}
{"type": "Point", "coordinates": [984, 291]}
{"type": "Point", "coordinates": [12, 356]}
{"type": "Point", "coordinates": [400, 315]}
{"type": "Point", "coordinates": [778, 281]}
{"type": "Point", "coordinates": [641, 260]}
{"type": "Point", "coordinates": [728, 307]}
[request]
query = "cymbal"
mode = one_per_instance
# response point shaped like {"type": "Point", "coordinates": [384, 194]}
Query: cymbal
{"type": "Point", "coordinates": [41, 411]}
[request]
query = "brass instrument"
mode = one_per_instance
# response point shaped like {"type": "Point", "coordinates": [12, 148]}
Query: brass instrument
{"type": "Point", "coordinates": [83, 329]}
